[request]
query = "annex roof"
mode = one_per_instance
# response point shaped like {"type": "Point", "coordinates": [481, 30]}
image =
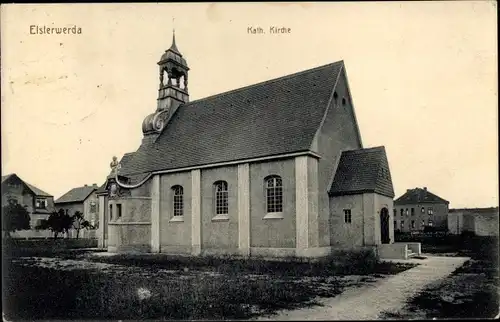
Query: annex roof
{"type": "Point", "coordinates": [363, 170]}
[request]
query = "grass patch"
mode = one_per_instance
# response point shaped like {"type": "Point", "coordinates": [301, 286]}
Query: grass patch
{"type": "Point", "coordinates": [361, 263]}
{"type": "Point", "coordinates": [174, 287]}
{"type": "Point", "coordinates": [49, 293]}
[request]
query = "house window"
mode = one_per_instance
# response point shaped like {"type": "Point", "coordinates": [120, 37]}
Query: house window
{"type": "Point", "coordinates": [395, 225]}
{"type": "Point", "coordinates": [413, 211]}
{"type": "Point", "coordinates": [402, 212]}
{"type": "Point", "coordinates": [402, 224]}
{"type": "Point", "coordinates": [178, 200]}
{"type": "Point", "coordinates": [406, 211]}
{"type": "Point", "coordinates": [221, 198]}
{"type": "Point", "coordinates": [110, 212]}
{"type": "Point", "coordinates": [93, 207]}
{"type": "Point", "coordinates": [274, 194]}
{"type": "Point", "coordinates": [413, 224]}
{"type": "Point", "coordinates": [347, 216]}
{"type": "Point", "coordinates": [430, 211]}
{"type": "Point", "coordinates": [118, 210]}
{"type": "Point", "coordinates": [430, 223]}
{"type": "Point", "coordinates": [395, 212]}
{"type": "Point", "coordinates": [423, 223]}
{"type": "Point", "coordinates": [343, 101]}
{"type": "Point", "coordinates": [41, 204]}
{"type": "Point", "coordinates": [423, 210]}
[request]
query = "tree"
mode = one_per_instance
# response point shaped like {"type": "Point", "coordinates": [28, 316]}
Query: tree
{"type": "Point", "coordinates": [80, 223]}
{"type": "Point", "coordinates": [58, 222]}
{"type": "Point", "coordinates": [15, 217]}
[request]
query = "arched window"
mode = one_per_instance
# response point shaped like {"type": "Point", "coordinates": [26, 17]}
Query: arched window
{"type": "Point", "coordinates": [274, 194]}
{"type": "Point", "coordinates": [221, 198]}
{"type": "Point", "coordinates": [178, 200]}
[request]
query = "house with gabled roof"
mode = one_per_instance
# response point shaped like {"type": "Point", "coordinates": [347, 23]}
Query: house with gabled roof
{"type": "Point", "coordinates": [39, 203]}
{"type": "Point", "coordinates": [418, 208]}
{"type": "Point", "coordinates": [274, 169]}
{"type": "Point", "coordinates": [82, 199]}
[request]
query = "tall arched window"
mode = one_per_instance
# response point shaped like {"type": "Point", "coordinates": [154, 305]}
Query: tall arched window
{"type": "Point", "coordinates": [178, 200]}
{"type": "Point", "coordinates": [274, 194]}
{"type": "Point", "coordinates": [221, 198]}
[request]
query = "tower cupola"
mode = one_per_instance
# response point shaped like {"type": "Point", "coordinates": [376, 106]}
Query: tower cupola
{"type": "Point", "coordinates": [173, 78]}
{"type": "Point", "coordinates": [172, 92]}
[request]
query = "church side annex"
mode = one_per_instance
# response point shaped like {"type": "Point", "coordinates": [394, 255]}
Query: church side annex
{"type": "Point", "coordinates": [274, 169]}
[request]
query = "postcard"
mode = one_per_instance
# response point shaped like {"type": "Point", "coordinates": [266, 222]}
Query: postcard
{"type": "Point", "coordinates": [250, 161]}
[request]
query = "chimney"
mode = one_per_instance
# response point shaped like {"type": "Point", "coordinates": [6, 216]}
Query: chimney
{"type": "Point", "coordinates": [425, 188]}
{"type": "Point", "coordinates": [94, 185]}
{"type": "Point", "coordinates": [408, 190]}
{"type": "Point", "coordinates": [85, 185]}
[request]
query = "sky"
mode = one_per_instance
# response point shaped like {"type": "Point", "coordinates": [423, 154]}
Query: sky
{"type": "Point", "coordinates": [423, 79]}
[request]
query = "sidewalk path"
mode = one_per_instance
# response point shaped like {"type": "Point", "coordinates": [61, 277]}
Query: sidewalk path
{"type": "Point", "coordinates": [387, 295]}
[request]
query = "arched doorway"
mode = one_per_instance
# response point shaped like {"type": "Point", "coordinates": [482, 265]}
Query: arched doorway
{"type": "Point", "coordinates": [384, 226]}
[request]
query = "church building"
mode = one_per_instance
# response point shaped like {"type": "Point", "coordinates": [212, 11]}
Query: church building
{"type": "Point", "coordinates": [273, 169]}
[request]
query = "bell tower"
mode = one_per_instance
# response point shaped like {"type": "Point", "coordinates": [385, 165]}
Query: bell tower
{"type": "Point", "coordinates": [172, 92]}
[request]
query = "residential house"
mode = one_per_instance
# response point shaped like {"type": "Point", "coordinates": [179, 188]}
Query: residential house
{"type": "Point", "coordinates": [84, 200]}
{"type": "Point", "coordinates": [38, 203]}
{"type": "Point", "coordinates": [418, 208]}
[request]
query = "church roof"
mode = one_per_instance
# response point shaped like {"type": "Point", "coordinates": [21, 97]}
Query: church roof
{"type": "Point", "coordinates": [123, 162]}
{"type": "Point", "coordinates": [274, 117]}
{"type": "Point", "coordinates": [418, 196]}
{"type": "Point", "coordinates": [78, 194]}
{"type": "Point", "coordinates": [363, 170]}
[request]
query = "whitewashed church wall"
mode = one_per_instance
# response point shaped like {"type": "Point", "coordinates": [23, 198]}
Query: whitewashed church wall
{"type": "Point", "coordinates": [278, 232]}
{"type": "Point", "coordinates": [175, 231]}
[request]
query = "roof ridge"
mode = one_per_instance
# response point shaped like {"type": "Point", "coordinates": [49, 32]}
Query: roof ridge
{"type": "Point", "coordinates": [269, 81]}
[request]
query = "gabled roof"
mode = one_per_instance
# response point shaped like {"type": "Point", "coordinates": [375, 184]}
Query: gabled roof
{"type": "Point", "coordinates": [275, 117]}
{"type": "Point", "coordinates": [363, 170]}
{"type": "Point", "coordinates": [5, 177]}
{"type": "Point", "coordinates": [78, 194]}
{"type": "Point", "coordinates": [36, 191]}
{"type": "Point", "coordinates": [419, 196]}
